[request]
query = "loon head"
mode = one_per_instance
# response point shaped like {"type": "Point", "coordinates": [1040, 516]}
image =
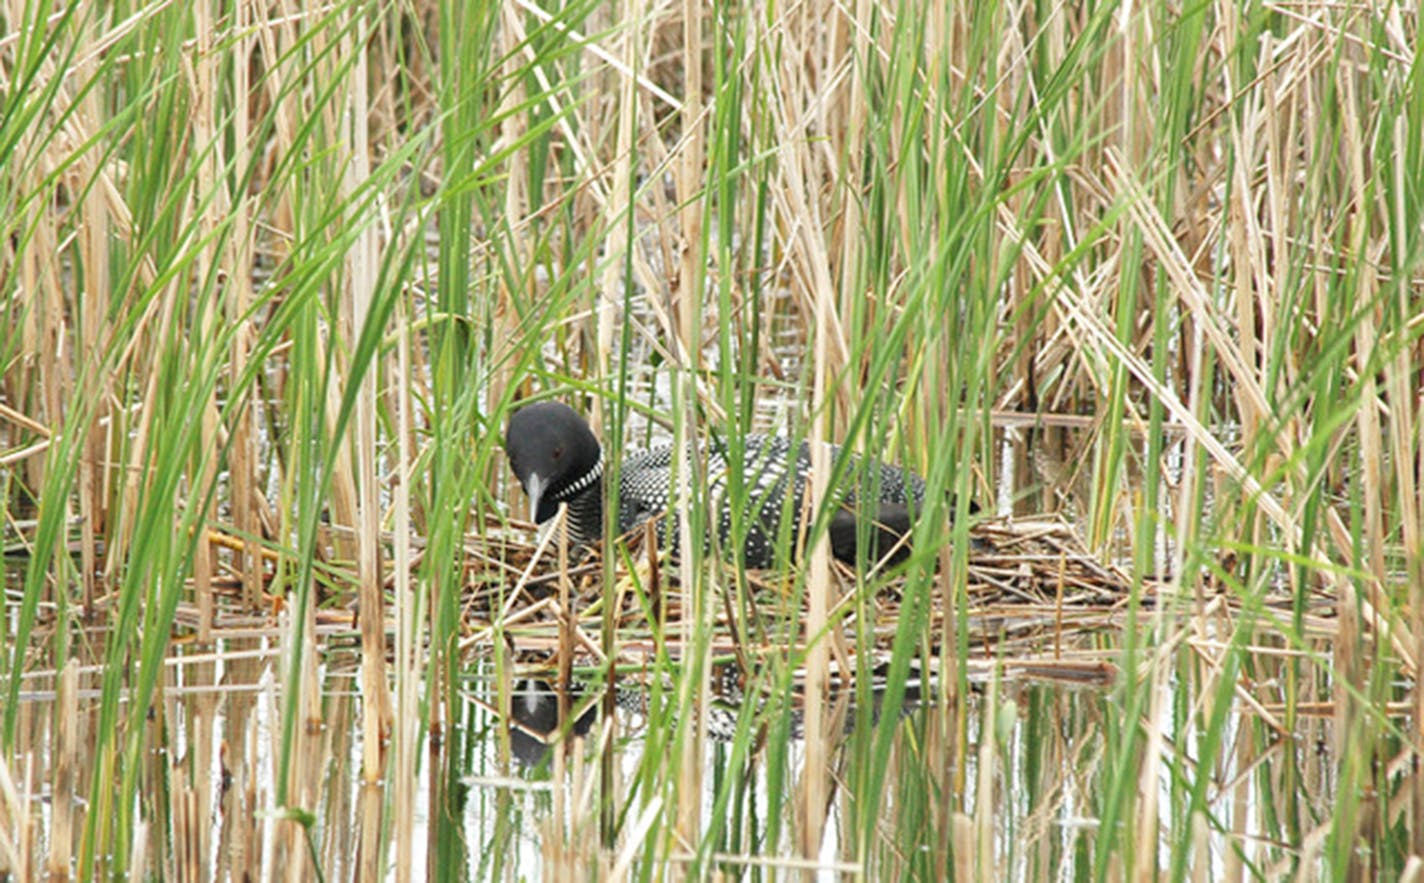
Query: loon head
{"type": "Point", "coordinates": [553, 454]}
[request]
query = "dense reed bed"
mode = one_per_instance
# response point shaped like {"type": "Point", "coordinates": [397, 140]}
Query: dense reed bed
{"type": "Point", "coordinates": [1145, 277]}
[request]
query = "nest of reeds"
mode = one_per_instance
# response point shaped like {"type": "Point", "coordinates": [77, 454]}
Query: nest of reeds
{"type": "Point", "coordinates": [1031, 594]}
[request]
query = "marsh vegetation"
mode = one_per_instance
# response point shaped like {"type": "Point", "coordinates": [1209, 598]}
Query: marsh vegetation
{"type": "Point", "coordinates": [1142, 283]}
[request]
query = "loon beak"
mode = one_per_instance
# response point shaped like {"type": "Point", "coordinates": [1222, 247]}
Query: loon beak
{"type": "Point", "coordinates": [535, 488]}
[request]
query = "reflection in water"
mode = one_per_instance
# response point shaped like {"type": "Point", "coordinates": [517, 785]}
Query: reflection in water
{"type": "Point", "coordinates": [536, 723]}
{"type": "Point", "coordinates": [534, 705]}
{"type": "Point", "coordinates": [1017, 772]}
{"type": "Point", "coordinates": [949, 784]}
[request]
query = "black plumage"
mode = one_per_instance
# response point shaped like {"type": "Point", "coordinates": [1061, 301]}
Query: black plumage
{"type": "Point", "coordinates": [557, 459]}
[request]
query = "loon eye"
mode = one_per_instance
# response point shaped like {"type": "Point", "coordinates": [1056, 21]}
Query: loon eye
{"type": "Point", "coordinates": [558, 452]}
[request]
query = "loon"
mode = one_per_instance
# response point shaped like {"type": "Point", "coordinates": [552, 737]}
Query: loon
{"type": "Point", "coordinates": [557, 459]}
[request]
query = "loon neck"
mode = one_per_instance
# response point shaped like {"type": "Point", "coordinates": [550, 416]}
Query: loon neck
{"type": "Point", "coordinates": [593, 478]}
{"type": "Point", "coordinates": [584, 498]}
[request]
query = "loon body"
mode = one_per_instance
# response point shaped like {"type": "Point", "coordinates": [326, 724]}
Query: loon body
{"type": "Point", "coordinates": [557, 459]}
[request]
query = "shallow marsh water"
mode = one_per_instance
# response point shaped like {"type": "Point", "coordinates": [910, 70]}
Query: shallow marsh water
{"type": "Point", "coordinates": [1015, 782]}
